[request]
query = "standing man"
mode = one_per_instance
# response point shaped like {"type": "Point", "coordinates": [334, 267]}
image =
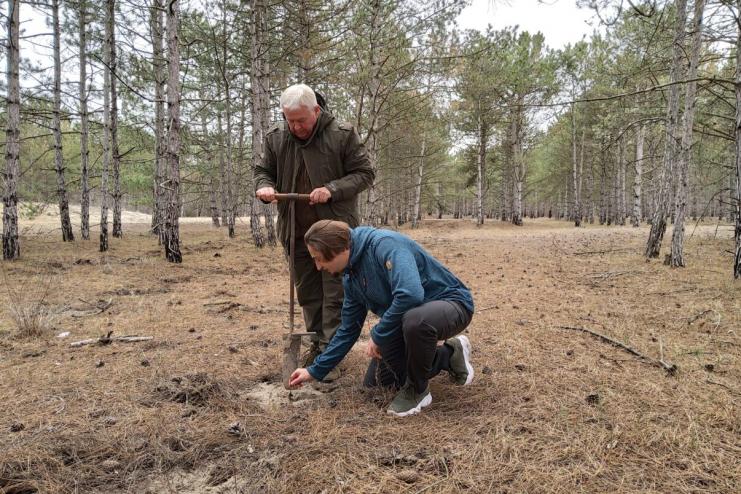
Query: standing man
{"type": "Point", "coordinates": [310, 152]}
{"type": "Point", "coordinates": [419, 302]}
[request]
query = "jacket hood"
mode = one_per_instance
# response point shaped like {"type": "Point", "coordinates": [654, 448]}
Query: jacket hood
{"type": "Point", "coordinates": [325, 118]}
{"type": "Point", "coordinates": [359, 242]}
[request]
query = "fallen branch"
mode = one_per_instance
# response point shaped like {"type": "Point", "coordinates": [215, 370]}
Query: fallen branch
{"type": "Point", "coordinates": [107, 339]}
{"type": "Point", "coordinates": [698, 316]}
{"type": "Point", "coordinates": [670, 368]}
{"type": "Point", "coordinates": [97, 308]}
{"type": "Point", "coordinates": [590, 252]}
{"type": "Point", "coordinates": [733, 391]}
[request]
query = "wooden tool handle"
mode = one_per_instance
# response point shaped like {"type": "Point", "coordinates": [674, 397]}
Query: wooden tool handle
{"type": "Point", "coordinates": [291, 196]}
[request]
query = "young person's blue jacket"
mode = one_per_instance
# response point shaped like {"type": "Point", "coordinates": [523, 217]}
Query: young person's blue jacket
{"type": "Point", "coordinates": [388, 274]}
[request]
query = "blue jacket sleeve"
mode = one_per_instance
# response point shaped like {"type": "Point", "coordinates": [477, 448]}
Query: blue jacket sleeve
{"type": "Point", "coordinates": [406, 287]}
{"type": "Point", "coordinates": [353, 317]}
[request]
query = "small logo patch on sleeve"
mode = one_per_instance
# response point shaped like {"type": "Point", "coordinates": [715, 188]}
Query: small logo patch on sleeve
{"type": "Point", "coordinates": [389, 265]}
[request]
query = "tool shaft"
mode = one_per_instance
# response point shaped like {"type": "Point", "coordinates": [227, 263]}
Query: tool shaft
{"type": "Point", "coordinates": [291, 196]}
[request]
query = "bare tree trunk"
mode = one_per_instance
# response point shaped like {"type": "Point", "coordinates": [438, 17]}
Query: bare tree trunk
{"type": "Point", "coordinates": [685, 153]}
{"type": "Point", "coordinates": [638, 176]}
{"type": "Point", "coordinates": [106, 140]}
{"type": "Point", "coordinates": [418, 183]}
{"type": "Point", "coordinates": [621, 202]}
{"type": "Point", "coordinates": [374, 115]}
{"type": "Point", "coordinates": [481, 169]}
{"type": "Point", "coordinates": [115, 156]}
{"type": "Point", "coordinates": [658, 221]}
{"type": "Point", "coordinates": [575, 170]}
{"type": "Point", "coordinates": [84, 127]}
{"type": "Point", "coordinates": [260, 84]}
{"type": "Point", "coordinates": [226, 79]}
{"type": "Point", "coordinates": [160, 145]}
{"type": "Point", "coordinates": [224, 182]}
{"type": "Point", "coordinates": [171, 227]}
{"type": "Point", "coordinates": [212, 181]}
{"type": "Point", "coordinates": [519, 162]}
{"type": "Point", "coordinates": [67, 234]}
{"type": "Point", "coordinates": [737, 256]}
{"type": "Point", "coordinates": [11, 245]}
{"type": "Point", "coordinates": [603, 192]}
{"type": "Point", "coordinates": [212, 202]}
{"type": "Point", "coordinates": [590, 194]}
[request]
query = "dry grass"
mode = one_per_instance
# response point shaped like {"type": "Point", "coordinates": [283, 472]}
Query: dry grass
{"type": "Point", "coordinates": [551, 409]}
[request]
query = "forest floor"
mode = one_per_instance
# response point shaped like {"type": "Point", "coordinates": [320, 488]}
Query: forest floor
{"type": "Point", "coordinates": [200, 407]}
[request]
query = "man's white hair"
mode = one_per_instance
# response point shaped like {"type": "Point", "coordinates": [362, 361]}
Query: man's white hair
{"type": "Point", "coordinates": [297, 96]}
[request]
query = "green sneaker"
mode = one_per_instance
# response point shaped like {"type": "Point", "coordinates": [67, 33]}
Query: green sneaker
{"type": "Point", "coordinates": [408, 402]}
{"type": "Point", "coordinates": [308, 358]}
{"type": "Point", "coordinates": [461, 370]}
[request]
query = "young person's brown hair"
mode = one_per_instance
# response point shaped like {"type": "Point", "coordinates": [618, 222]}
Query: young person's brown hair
{"type": "Point", "coordinates": [328, 237]}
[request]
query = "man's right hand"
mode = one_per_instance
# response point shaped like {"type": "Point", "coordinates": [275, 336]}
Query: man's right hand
{"type": "Point", "coordinates": [266, 194]}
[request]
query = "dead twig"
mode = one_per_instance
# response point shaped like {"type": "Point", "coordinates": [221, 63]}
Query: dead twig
{"type": "Point", "coordinates": [670, 368]}
{"type": "Point", "coordinates": [97, 308]}
{"type": "Point", "coordinates": [698, 316]}
{"type": "Point", "coordinates": [591, 252]}
{"type": "Point", "coordinates": [107, 339]}
{"type": "Point", "coordinates": [733, 391]}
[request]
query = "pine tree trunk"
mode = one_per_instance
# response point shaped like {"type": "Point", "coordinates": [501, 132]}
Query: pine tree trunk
{"type": "Point", "coordinates": [226, 79]}
{"type": "Point", "coordinates": [11, 244]}
{"type": "Point", "coordinates": [67, 234]}
{"type": "Point", "coordinates": [638, 176]}
{"type": "Point", "coordinates": [171, 227]}
{"type": "Point", "coordinates": [685, 153]}
{"type": "Point", "coordinates": [417, 203]}
{"type": "Point", "coordinates": [212, 203]}
{"type": "Point", "coordinates": [106, 141]}
{"type": "Point", "coordinates": [115, 156]}
{"type": "Point", "coordinates": [621, 202]}
{"type": "Point", "coordinates": [737, 256]}
{"type": "Point", "coordinates": [658, 221]}
{"type": "Point", "coordinates": [84, 127]}
{"type": "Point", "coordinates": [160, 145]}
{"type": "Point", "coordinates": [519, 163]}
{"type": "Point", "coordinates": [481, 170]}
{"type": "Point", "coordinates": [213, 208]}
{"type": "Point", "coordinates": [575, 170]}
{"type": "Point", "coordinates": [373, 206]}
{"type": "Point", "coordinates": [260, 84]}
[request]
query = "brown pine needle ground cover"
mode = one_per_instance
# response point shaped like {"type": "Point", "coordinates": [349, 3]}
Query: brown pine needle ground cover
{"type": "Point", "coordinates": [200, 407]}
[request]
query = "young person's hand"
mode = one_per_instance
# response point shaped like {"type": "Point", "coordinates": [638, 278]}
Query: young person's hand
{"type": "Point", "coordinates": [298, 377]}
{"type": "Point", "coordinates": [372, 350]}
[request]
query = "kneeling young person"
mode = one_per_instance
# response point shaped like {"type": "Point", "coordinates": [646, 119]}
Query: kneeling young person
{"type": "Point", "coordinates": [418, 300]}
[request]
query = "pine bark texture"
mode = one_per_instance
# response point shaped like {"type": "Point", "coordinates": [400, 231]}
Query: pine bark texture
{"type": "Point", "coordinates": [11, 245]}
{"type": "Point", "coordinates": [658, 221]}
{"type": "Point", "coordinates": [417, 204]}
{"type": "Point", "coordinates": [481, 169]}
{"type": "Point", "coordinates": [374, 85]}
{"type": "Point", "coordinates": [685, 152]}
{"type": "Point", "coordinates": [104, 196]}
{"type": "Point", "coordinates": [171, 235]}
{"type": "Point", "coordinates": [84, 126]}
{"type": "Point", "coordinates": [737, 254]}
{"type": "Point", "coordinates": [160, 145]}
{"type": "Point", "coordinates": [576, 212]}
{"type": "Point", "coordinates": [62, 198]}
{"type": "Point", "coordinates": [638, 176]}
{"type": "Point", "coordinates": [112, 67]}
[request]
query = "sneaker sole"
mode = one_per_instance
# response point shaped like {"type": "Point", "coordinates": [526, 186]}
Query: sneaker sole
{"type": "Point", "coordinates": [467, 358]}
{"type": "Point", "coordinates": [427, 400]}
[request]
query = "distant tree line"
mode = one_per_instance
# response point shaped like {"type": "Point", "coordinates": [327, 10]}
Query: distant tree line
{"type": "Point", "coordinates": [164, 108]}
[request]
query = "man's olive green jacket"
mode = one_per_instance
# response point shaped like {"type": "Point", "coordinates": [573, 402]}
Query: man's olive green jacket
{"type": "Point", "coordinates": [335, 158]}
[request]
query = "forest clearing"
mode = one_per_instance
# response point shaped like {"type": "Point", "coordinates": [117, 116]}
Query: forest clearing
{"type": "Point", "coordinates": [200, 408]}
